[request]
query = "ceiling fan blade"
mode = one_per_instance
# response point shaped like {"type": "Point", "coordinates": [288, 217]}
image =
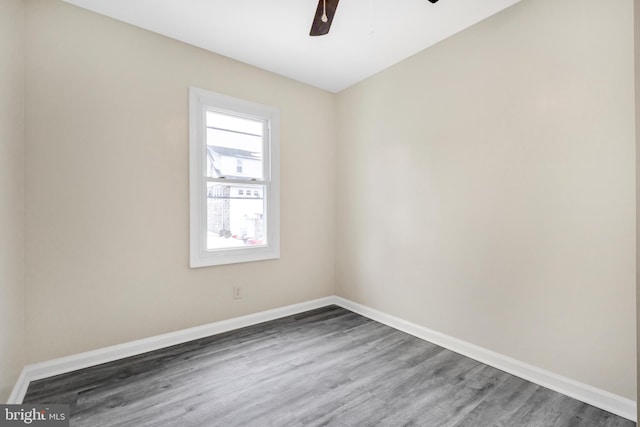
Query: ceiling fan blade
{"type": "Point", "coordinates": [319, 28]}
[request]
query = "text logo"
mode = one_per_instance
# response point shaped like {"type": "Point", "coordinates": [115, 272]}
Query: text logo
{"type": "Point", "coordinates": [34, 415]}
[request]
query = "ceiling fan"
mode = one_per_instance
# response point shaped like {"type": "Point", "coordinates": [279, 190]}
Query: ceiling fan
{"type": "Point", "coordinates": [324, 16]}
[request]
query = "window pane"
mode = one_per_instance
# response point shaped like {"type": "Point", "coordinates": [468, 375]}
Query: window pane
{"type": "Point", "coordinates": [239, 124]}
{"type": "Point", "coordinates": [235, 216]}
{"type": "Point", "coordinates": [234, 147]}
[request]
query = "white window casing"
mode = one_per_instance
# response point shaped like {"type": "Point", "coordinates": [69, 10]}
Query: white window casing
{"type": "Point", "coordinates": [202, 253]}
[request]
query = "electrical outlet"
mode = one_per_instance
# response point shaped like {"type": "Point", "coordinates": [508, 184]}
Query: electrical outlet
{"type": "Point", "coordinates": [237, 292]}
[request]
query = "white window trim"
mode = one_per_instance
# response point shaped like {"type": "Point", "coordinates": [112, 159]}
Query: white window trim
{"type": "Point", "coordinates": [201, 100]}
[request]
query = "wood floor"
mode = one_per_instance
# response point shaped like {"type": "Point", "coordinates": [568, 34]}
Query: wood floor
{"type": "Point", "coordinates": [326, 367]}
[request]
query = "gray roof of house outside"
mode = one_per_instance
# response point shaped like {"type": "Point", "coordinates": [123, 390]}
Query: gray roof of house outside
{"type": "Point", "coordinates": [234, 152]}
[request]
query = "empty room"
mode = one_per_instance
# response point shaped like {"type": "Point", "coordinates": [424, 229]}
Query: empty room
{"type": "Point", "coordinates": [318, 212]}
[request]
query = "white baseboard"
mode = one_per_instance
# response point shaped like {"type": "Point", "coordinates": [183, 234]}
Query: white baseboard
{"type": "Point", "coordinates": [583, 392]}
{"type": "Point", "coordinates": [109, 354]}
{"type": "Point", "coordinates": [599, 398]}
{"type": "Point", "coordinates": [20, 389]}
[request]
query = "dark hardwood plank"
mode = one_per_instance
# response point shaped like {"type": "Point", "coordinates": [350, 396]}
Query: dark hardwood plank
{"type": "Point", "coordinates": [325, 367]}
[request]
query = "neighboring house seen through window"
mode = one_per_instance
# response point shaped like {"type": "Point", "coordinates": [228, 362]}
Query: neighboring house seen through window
{"type": "Point", "coordinates": [233, 153]}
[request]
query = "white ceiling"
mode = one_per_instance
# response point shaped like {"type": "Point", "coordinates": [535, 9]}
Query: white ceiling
{"type": "Point", "coordinates": [274, 34]}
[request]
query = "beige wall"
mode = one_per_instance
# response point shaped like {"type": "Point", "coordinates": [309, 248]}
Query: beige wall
{"type": "Point", "coordinates": [636, 27]}
{"type": "Point", "coordinates": [107, 186]}
{"type": "Point", "coordinates": [487, 189]}
{"type": "Point", "coordinates": [11, 193]}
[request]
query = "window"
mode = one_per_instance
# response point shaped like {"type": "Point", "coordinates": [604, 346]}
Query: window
{"type": "Point", "coordinates": [233, 151]}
